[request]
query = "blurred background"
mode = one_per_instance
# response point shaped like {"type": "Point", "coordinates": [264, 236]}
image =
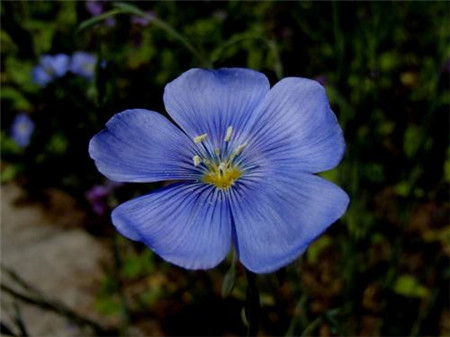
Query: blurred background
{"type": "Point", "coordinates": [68, 66]}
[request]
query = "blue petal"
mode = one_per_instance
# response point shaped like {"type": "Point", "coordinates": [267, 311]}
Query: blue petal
{"type": "Point", "coordinates": [142, 146]}
{"type": "Point", "coordinates": [276, 219]}
{"type": "Point", "coordinates": [295, 126]}
{"type": "Point", "coordinates": [187, 224]}
{"type": "Point", "coordinates": [83, 64]}
{"type": "Point", "coordinates": [40, 76]}
{"type": "Point", "coordinates": [21, 129]}
{"type": "Point", "coordinates": [60, 64]}
{"type": "Point", "coordinates": [208, 101]}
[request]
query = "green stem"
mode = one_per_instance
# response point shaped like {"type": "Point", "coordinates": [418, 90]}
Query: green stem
{"type": "Point", "coordinates": [252, 305]}
{"type": "Point", "coordinates": [299, 316]}
{"type": "Point", "coordinates": [271, 45]}
{"type": "Point", "coordinates": [127, 8]}
{"type": "Point", "coordinates": [163, 25]}
{"type": "Point", "coordinates": [278, 66]}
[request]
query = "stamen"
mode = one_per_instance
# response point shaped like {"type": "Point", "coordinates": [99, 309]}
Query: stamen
{"type": "Point", "coordinates": [200, 138]}
{"type": "Point", "coordinates": [221, 168]}
{"type": "Point", "coordinates": [228, 134]}
{"type": "Point", "coordinates": [197, 160]}
{"type": "Point", "coordinates": [217, 151]}
{"type": "Point", "coordinates": [239, 149]}
{"type": "Point", "coordinates": [237, 152]}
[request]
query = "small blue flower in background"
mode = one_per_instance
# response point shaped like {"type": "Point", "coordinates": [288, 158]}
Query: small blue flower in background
{"type": "Point", "coordinates": [98, 194]}
{"type": "Point", "coordinates": [49, 68]}
{"type": "Point", "coordinates": [97, 7]}
{"type": "Point", "coordinates": [83, 64]}
{"type": "Point", "coordinates": [245, 156]}
{"type": "Point", "coordinates": [21, 130]}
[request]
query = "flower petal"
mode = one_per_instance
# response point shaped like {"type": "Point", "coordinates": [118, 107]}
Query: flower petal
{"type": "Point", "coordinates": [60, 64]}
{"type": "Point", "coordinates": [296, 126]}
{"type": "Point", "coordinates": [209, 101]}
{"type": "Point", "coordinates": [142, 146]}
{"type": "Point", "coordinates": [276, 219]}
{"type": "Point", "coordinates": [187, 224]}
{"type": "Point", "coordinates": [40, 76]}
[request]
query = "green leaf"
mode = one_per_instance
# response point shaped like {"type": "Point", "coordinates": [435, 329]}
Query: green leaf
{"type": "Point", "coordinates": [19, 102]}
{"type": "Point", "coordinates": [9, 173]}
{"type": "Point", "coordinates": [403, 188]}
{"type": "Point", "coordinates": [127, 8]}
{"type": "Point", "coordinates": [230, 278]}
{"type": "Point", "coordinates": [58, 144]}
{"type": "Point", "coordinates": [229, 281]}
{"type": "Point", "coordinates": [316, 248]}
{"type": "Point", "coordinates": [409, 286]}
{"type": "Point", "coordinates": [411, 140]}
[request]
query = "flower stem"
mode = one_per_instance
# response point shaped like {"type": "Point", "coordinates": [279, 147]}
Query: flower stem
{"type": "Point", "coordinates": [252, 305]}
{"type": "Point", "coordinates": [127, 8]}
{"type": "Point", "coordinates": [269, 44]}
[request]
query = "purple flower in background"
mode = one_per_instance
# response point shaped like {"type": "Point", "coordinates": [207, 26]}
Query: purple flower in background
{"type": "Point", "coordinates": [245, 156]}
{"type": "Point", "coordinates": [49, 68]}
{"type": "Point", "coordinates": [83, 64]}
{"type": "Point", "coordinates": [21, 129]}
{"type": "Point", "coordinates": [97, 7]}
{"type": "Point", "coordinates": [98, 194]}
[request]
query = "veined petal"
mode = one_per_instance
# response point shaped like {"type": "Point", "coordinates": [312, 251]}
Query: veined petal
{"type": "Point", "coordinates": [209, 101]}
{"type": "Point", "coordinates": [187, 224]}
{"type": "Point", "coordinates": [276, 219]}
{"type": "Point", "coordinates": [295, 126]}
{"type": "Point", "coordinates": [142, 146]}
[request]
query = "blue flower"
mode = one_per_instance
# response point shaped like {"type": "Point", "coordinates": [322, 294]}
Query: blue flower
{"type": "Point", "coordinates": [98, 7]}
{"type": "Point", "coordinates": [21, 129]}
{"type": "Point", "coordinates": [50, 68]}
{"type": "Point", "coordinates": [83, 64]}
{"type": "Point", "coordinates": [98, 194]}
{"type": "Point", "coordinates": [95, 7]}
{"type": "Point", "coordinates": [245, 157]}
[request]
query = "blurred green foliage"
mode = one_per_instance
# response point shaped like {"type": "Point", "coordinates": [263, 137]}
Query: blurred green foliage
{"type": "Point", "coordinates": [382, 270]}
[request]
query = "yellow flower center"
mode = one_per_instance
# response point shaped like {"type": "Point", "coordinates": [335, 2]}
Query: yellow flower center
{"type": "Point", "coordinates": [222, 177]}
{"type": "Point", "coordinates": [220, 172]}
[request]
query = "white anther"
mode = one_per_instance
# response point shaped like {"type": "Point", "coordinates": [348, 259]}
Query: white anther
{"type": "Point", "coordinates": [222, 167]}
{"type": "Point", "coordinates": [197, 160]}
{"type": "Point", "coordinates": [228, 134]}
{"type": "Point", "coordinates": [200, 138]}
{"type": "Point", "coordinates": [239, 149]}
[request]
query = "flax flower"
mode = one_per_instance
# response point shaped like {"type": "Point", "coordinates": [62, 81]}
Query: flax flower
{"type": "Point", "coordinates": [245, 156]}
